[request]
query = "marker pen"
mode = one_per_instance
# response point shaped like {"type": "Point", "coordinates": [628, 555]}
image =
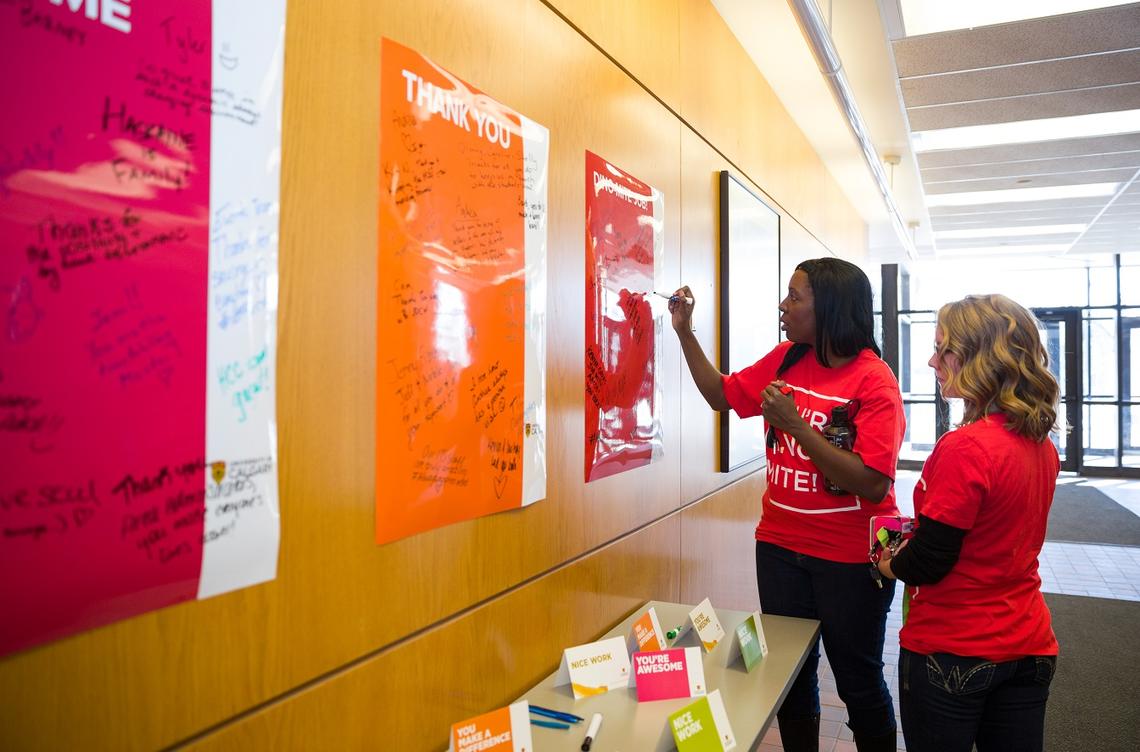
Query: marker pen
{"type": "Point", "coordinates": [549, 724]}
{"type": "Point", "coordinates": [686, 298]}
{"type": "Point", "coordinates": [674, 632]}
{"type": "Point", "coordinates": [595, 724]}
{"type": "Point", "coordinates": [557, 714]}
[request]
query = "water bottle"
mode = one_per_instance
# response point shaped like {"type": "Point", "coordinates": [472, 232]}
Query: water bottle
{"type": "Point", "coordinates": [839, 432]}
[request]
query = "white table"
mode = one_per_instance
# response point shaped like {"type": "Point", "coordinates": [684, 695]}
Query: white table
{"type": "Point", "coordinates": [750, 699]}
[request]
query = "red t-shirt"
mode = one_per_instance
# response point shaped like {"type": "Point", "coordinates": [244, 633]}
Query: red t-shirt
{"type": "Point", "coordinates": [798, 513]}
{"type": "Point", "coordinates": [998, 486]}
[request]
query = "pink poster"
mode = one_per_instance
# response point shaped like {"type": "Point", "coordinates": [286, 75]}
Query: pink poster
{"type": "Point", "coordinates": [624, 237]}
{"type": "Point", "coordinates": [108, 493]}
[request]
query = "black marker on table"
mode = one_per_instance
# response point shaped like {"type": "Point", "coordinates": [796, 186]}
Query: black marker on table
{"type": "Point", "coordinates": [595, 724]}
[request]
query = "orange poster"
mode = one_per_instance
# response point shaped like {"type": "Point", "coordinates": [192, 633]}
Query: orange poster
{"type": "Point", "coordinates": [461, 319]}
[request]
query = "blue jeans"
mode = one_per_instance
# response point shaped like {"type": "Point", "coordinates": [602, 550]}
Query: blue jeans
{"type": "Point", "coordinates": [852, 612]}
{"type": "Point", "coordinates": [949, 703]}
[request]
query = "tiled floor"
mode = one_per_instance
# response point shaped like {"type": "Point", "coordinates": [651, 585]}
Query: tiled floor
{"type": "Point", "coordinates": [1085, 569]}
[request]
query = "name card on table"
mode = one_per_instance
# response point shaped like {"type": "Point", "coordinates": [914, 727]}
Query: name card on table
{"type": "Point", "coordinates": [667, 674]}
{"type": "Point", "coordinates": [749, 643]}
{"type": "Point", "coordinates": [646, 633]}
{"type": "Point", "coordinates": [703, 618]}
{"type": "Point", "coordinates": [703, 726]}
{"type": "Point", "coordinates": [594, 668]}
{"type": "Point", "coordinates": [503, 730]}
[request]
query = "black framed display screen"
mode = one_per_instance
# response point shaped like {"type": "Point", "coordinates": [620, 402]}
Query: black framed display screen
{"type": "Point", "coordinates": [749, 297]}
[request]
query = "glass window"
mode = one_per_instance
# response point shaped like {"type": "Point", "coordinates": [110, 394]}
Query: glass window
{"type": "Point", "coordinates": [1047, 282]}
{"type": "Point", "coordinates": [1130, 323]}
{"type": "Point", "coordinates": [874, 274]}
{"type": "Point", "coordinates": [1102, 285]}
{"type": "Point", "coordinates": [1100, 435]}
{"type": "Point", "coordinates": [1130, 278]}
{"type": "Point", "coordinates": [1053, 338]}
{"type": "Point", "coordinates": [957, 412]}
{"type": "Point", "coordinates": [1131, 450]}
{"type": "Point", "coordinates": [1100, 355]}
{"type": "Point", "coordinates": [916, 345]}
{"type": "Point", "coordinates": [919, 438]}
{"type": "Point", "coordinates": [1109, 336]}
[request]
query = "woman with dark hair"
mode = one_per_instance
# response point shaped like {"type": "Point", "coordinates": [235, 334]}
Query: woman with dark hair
{"type": "Point", "coordinates": [978, 651]}
{"type": "Point", "coordinates": [811, 544]}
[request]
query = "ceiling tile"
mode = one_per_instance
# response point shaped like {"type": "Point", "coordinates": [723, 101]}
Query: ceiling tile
{"type": "Point", "coordinates": [955, 243]}
{"type": "Point", "coordinates": [1007, 219]}
{"type": "Point", "coordinates": [1102, 30]}
{"type": "Point", "coordinates": [1032, 78]}
{"type": "Point", "coordinates": [1029, 107]}
{"type": "Point", "coordinates": [1089, 246]}
{"type": "Point", "coordinates": [1000, 184]}
{"type": "Point", "coordinates": [1033, 167]}
{"type": "Point", "coordinates": [1039, 150]}
{"type": "Point", "coordinates": [1015, 206]}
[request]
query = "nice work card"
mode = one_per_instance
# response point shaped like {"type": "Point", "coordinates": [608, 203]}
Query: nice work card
{"type": "Point", "coordinates": [594, 668]}
{"type": "Point", "coordinates": [703, 726]}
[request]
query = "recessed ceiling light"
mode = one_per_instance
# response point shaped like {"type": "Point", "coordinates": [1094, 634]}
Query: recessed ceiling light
{"type": "Point", "coordinates": [932, 16]}
{"type": "Point", "coordinates": [1009, 232]}
{"type": "Point", "coordinates": [1018, 195]}
{"type": "Point", "coordinates": [1025, 131]}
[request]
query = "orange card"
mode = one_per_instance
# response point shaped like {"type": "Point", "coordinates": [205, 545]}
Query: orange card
{"type": "Point", "coordinates": [506, 730]}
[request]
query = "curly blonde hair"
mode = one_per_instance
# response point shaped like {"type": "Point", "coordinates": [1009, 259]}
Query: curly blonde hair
{"type": "Point", "coordinates": [1004, 365]}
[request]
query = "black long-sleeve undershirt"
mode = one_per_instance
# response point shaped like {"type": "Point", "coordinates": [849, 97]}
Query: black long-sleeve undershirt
{"type": "Point", "coordinates": [930, 554]}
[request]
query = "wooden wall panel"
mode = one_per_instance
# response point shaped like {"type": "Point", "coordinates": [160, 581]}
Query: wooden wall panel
{"type": "Point", "coordinates": [700, 168]}
{"type": "Point", "coordinates": [338, 595]}
{"type": "Point", "coordinates": [340, 603]}
{"type": "Point", "coordinates": [727, 101]}
{"type": "Point", "coordinates": [700, 263]}
{"type": "Point", "coordinates": [718, 546]}
{"type": "Point", "coordinates": [796, 245]}
{"type": "Point", "coordinates": [483, 659]}
{"type": "Point", "coordinates": [626, 30]}
{"type": "Point", "coordinates": [596, 106]}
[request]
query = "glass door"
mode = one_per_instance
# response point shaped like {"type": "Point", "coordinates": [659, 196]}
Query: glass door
{"type": "Point", "coordinates": [1061, 337]}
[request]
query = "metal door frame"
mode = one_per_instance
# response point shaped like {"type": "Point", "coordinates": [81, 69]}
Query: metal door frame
{"type": "Point", "coordinates": [1073, 413]}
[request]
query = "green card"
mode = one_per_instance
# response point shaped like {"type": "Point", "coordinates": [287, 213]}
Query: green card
{"type": "Point", "coordinates": [749, 642]}
{"type": "Point", "coordinates": [703, 726]}
{"type": "Point", "coordinates": [753, 647]}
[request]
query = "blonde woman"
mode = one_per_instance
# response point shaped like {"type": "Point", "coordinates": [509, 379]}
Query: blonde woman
{"type": "Point", "coordinates": [978, 650]}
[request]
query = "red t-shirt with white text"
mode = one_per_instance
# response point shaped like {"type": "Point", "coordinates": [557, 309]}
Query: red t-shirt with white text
{"type": "Point", "coordinates": [798, 514]}
{"type": "Point", "coordinates": [998, 486]}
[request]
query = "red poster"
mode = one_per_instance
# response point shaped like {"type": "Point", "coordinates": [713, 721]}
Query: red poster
{"type": "Point", "coordinates": [623, 247]}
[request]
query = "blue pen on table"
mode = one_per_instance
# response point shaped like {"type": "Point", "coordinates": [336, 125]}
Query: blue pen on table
{"type": "Point", "coordinates": [558, 714]}
{"type": "Point", "coordinates": [549, 724]}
